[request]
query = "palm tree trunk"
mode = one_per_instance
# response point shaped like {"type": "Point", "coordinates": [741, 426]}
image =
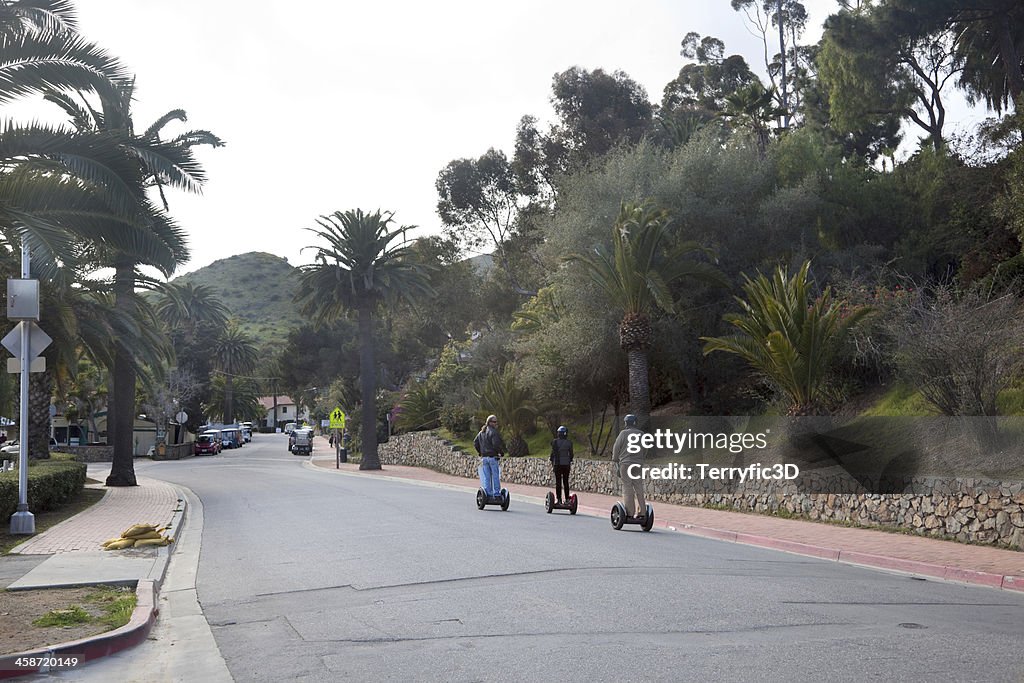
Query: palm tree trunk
{"type": "Point", "coordinates": [121, 412]}
{"type": "Point", "coordinates": [40, 388]}
{"type": "Point", "coordinates": [229, 399]}
{"type": "Point", "coordinates": [368, 386]}
{"type": "Point", "coordinates": [639, 387]}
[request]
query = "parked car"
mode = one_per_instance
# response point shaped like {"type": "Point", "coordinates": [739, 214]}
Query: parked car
{"type": "Point", "coordinates": [206, 444]}
{"type": "Point", "coordinates": [229, 438]}
{"type": "Point", "coordinates": [14, 448]}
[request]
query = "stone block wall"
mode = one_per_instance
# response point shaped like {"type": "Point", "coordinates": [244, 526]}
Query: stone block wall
{"type": "Point", "coordinates": [969, 510]}
{"type": "Point", "coordinates": [90, 453]}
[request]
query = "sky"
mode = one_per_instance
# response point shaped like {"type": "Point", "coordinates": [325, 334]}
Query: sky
{"type": "Point", "coordinates": [328, 106]}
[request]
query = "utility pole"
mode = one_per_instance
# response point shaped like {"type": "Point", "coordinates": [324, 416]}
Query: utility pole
{"type": "Point", "coordinates": [273, 390]}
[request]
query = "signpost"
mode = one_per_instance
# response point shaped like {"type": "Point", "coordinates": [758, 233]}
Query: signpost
{"type": "Point", "coordinates": [337, 425]}
{"type": "Point", "coordinates": [25, 342]}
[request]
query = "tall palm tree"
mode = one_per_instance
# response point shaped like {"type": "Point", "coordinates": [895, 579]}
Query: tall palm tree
{"type": "Point", "coordinates": [790, 337]}
{"type": "Point", "coordinates": [636, 276]}
{"type": "Point", "coordinates": [235, 354]}
{"type": "Point", "coordinates": [366, 262]}
{"type": "Point", "coordinates": [147, 161]}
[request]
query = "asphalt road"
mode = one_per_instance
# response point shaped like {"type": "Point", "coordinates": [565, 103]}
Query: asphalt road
{"type": "Point", "coordinates": [313, 575]}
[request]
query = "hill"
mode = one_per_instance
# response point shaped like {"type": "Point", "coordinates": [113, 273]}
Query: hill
{"type": "Point", "coordinates": [257, 288]}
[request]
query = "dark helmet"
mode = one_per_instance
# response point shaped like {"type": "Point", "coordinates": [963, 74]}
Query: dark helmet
{"type": "Point", "coordinates": [630, 420]}
{"type": "Point", "coordinates": [563, 431]}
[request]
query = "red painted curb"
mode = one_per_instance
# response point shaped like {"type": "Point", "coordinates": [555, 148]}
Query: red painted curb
{"type": "Point", "coordinates": [87, 649]}
{"type": "Point", "coordinates": [789, 546]}
{"type": "Point", "coordinates": [1013, 583]}
{"type": "Point", "coordinates": [708, 532]}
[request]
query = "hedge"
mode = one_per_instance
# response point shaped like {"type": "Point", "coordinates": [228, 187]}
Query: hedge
{"type": "Point", "coordinates": [50, 485]}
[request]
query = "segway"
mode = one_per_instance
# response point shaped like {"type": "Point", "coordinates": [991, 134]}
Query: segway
{"type": "Point", "coordinates": [570, 504]}
{"type": "Point", "coordinates": [619, 518]}
{"type": "Point", "coordinates": [502, 499]}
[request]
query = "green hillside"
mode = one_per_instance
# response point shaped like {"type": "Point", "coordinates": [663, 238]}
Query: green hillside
{"type": "Point", "coordinates": [257, 288]}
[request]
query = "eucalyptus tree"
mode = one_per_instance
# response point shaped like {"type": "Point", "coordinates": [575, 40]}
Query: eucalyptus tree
{"type": "Point", "coordinates": [988, 39]}
{"type": "Point", "coordinates": [366, 262]}
{"type": "Point", "coordinates": [636, 276]}
{"type": "Point", "coordinates": [871, 69]}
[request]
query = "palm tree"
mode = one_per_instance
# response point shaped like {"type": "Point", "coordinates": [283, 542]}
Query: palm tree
{"type": "Point", "coordinates": [512, 404]}
{"type": "Point", "coordinates": [184, 307]}
{"type": "Point", "coordinates": [146, 161]}
{"type": "Point", "coordinates": [753, 107]}
{"type": "Point", "coordinates": [360, 268]}
{"type": "Point", "coordinates": [636, 276]}
{"type": "Point", "coordinates": [234, 354]}
{"type": "Point", "coordinates": [790, 337]}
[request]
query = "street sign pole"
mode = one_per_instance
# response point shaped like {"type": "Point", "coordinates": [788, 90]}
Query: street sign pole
{"type": "Point", "coordinates": [23, 521]}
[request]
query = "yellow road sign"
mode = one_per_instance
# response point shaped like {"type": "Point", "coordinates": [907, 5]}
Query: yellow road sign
{"type": "Point", "coordinates": [337, 419]}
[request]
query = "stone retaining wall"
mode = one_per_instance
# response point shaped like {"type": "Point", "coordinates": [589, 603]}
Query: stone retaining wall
{"type": "Point", "coordinates": [90, 453]}
{"type": "Point", "coordinates": [965, 509]}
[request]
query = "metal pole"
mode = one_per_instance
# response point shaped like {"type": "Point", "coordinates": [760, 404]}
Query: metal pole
{"type": "Point", "coordinates": [23, 521]}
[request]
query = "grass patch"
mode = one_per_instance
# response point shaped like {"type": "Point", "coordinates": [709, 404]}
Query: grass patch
{"type": "Point", "coordinates": [64, 617]}
{"type": "Point", "coordinates": [45, 520]}
{"type": "Point", "coordinates": [901, 400]}
{"type": "Point", "coordinates": [117, 604]}
{"type": "Point", "coordinates": [108, 605]}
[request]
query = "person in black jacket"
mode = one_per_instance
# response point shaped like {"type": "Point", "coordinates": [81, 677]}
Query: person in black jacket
{"type": "Point", "coordinates": [490, 446]}
{"type": "Point", "coordinates": [561, 461]}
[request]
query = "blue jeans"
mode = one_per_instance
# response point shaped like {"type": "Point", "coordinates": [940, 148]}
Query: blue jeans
{"type": "Point", "coordinates": [490, 475]}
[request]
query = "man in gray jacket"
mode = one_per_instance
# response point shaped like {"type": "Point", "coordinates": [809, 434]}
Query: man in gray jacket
{"type": "Point", "coordinates": [622, 458]}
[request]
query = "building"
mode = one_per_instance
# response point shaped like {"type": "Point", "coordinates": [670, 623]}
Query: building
{"type": "Point", "coordinates": [286, 412]}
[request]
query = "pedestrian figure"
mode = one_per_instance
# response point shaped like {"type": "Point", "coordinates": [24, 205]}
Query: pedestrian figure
{"type": "Point", "coordinates": [561, 462]}
{"type": "Point", "coordinates": [490, 446]}
{"type": "Point", "coordinates": [622, 459]}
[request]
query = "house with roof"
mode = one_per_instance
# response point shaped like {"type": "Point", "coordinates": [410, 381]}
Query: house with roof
{"type": "Point", "coordinates": [286, 412]}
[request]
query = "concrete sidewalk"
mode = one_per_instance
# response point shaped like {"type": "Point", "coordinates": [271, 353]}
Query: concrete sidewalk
{"type": "Point", "coordinates": [975, 564]}
{"type": "Point", "coordinates": [74, 557]}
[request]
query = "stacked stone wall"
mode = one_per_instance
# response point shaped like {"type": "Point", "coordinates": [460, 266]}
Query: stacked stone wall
{"type": "Point", "coordinates": [971, 510]}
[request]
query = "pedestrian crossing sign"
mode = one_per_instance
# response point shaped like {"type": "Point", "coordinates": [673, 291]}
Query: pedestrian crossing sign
{"type": "Point", "coordinates": [337, 419]}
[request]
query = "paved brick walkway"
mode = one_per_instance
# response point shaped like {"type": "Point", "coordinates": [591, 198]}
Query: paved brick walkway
{"type": "Point", "coordinates": [985, 565]}
{"type": "Point", "coordinates": [152, 501]}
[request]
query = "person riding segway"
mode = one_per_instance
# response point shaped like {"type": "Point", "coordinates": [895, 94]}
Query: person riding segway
{"type": "Point", "coordinates": [490, 446]}
{"type": "Point", "coordinates": [628, 455]}
{"type": "Point", "coordinates": [561, 464]}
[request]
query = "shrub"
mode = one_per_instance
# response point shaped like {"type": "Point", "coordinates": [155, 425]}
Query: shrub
{"type": "Point", "coordinates": [456, 420]}
{"type": "Point", "coordinates": [50, 485]}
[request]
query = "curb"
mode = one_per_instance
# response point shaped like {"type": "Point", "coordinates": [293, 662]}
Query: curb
{"type": "Point", "coordinates": [147, 591]}
{"type": "Point", "coordinates": [916, 567]}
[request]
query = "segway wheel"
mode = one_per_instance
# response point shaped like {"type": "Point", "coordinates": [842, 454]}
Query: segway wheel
{"type": "Point", "coordinates": [481, 499]}
{"type": "Point", "coordinates": [649, 520]}
{"type": "Point", "coordinates": [618, 516]}
{"type": "Point", "coordinates": [505, 499]}
{"type": "Point", "coordinates": [549, 502]}
{"type": "Point", "coordinates": [573, 502]}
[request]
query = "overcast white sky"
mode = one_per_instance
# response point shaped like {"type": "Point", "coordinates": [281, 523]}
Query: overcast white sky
{"type": "Point", "coordinates": [331, 106]}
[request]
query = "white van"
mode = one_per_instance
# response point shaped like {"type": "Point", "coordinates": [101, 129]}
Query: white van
{"type": "Point", "coordinates": [289, 427]}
